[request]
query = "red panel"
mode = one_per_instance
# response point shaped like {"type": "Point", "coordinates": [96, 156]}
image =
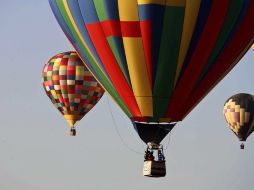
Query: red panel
{"type": "Point", "coordinates": [132, 29]}
{"type": "Point", "coordinates": [60, 98]}
{"type": "Point", "coordinates": [71, 72]}
{"type": "Point", "coordinates": [103, 49]}
{"type": "Point", "coordinates": [88, 78]}
{"type": "Point", "coordinates": [241, 40]}
{"type": "Point", "coordinates": [200, 56]}
{"type": "Point", "coordinates": [146, 38]}
{"type": "Point", "coordinates": [78, 87]}
{"type": "Point", "coordinates": [111, 28]}
{"type": "Point", "coordinates": [121, 28]}
{"type": "Point", "coordinates": [71, 90]}
{"type": "Point", "coordinates": [49, 68]}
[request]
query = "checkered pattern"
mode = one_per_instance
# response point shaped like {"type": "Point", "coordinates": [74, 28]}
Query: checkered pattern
{"type": "Point", "coordinates": [235, 115]}
{"type": "Point", "coordinates": [238, 112]}
{"type": "Point", "coordinates": [69, 85]}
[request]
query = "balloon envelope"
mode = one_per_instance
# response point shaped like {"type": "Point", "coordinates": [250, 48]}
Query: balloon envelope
{"type": "Point", "coordinates": [239, 115]}
{"type": "Point", "coordinates": [158, 59]}
{"type": "Point", "coordinates": [70, 86]}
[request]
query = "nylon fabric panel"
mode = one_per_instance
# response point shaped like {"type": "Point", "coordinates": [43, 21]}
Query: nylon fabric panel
{"type": "Point", "coordinates": [154, 14]}
{"type": "Point", "coordinates": [168, 58]}
{"type": "Point", "coordinates": [117, 78]}
{"type": "Point", "coordinates": [102, 47]}
{"type": "Point", "coordinates": [231, 20]}
{"type": "Point", "coordinates": [110, 27]}
{"type": "Point", "coordinates": [190, 19]}
{"type": "Point", "coordinates": [135, 57]}
{"type": "Point", "coordinates": [203, 14]}
{"type": "Point", "coordinates": [236, 48]}
{"type": "Point", "coordinates": [90, 59]}
{"type": "Point", "coordinates": [200, 56]}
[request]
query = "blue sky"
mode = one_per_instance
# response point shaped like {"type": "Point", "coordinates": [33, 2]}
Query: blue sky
{"type": "Point", "coordinates": [38, 154]}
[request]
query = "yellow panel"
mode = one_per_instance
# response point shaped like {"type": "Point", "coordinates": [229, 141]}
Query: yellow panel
{"type": "Point", "coordinates": [138, 74]}
{"type": "Point", "coordinates": [53, 92]}
{"type": "Point", "coordinates": [242, 116]}
{"type": "Point", "coordinates": [80, 71]}
{"type": "Point", "coordinates": [252, 47]}
{"type": "Point", "coordinates": [237, 108]}
{"type": "Point", "coordinates": [136, 60]}
{"type": "Point", "coordinates": [190, 18]}
{"type": "Point", "coordinates": [128, 10]}
{"type": "Point", "coordinates": [229, 117]}
{"type": "Point", "coordinates": [72, 119]}
{"type": "Point", "coordinates": [145, 105]}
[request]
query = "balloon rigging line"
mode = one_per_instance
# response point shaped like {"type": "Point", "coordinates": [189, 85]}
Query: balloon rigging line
{"type": "Point", "coordinates": [117, 131]}
{"type": "Point", "coordinates": [169, 139]}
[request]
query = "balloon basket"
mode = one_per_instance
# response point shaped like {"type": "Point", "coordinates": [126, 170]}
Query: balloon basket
{"type": "Point", "coordinates": [73, 132]}
{"type": "Point", "coordinates": [154, 163]}
{"type": "Point", "coordinates": [154, 168]}
{"type": "Point", "coordinates": [242, 146]}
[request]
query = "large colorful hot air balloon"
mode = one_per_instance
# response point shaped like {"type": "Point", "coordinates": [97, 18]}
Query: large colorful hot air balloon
{"type": "Point", "coordinates": [70, 86]}
{"type": "Point", "coordinates": [239, 114]}
{"type": "Point", "coordinates": [157, 58]}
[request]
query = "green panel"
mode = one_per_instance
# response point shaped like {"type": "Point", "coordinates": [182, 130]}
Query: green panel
{"type": "Point", "coordinates": [168, 59]}
{"type": "Point", "coordinates": [230, 21]}
{"type": "Point", "coordinates": [112, 43]}
{"type": "Point", "coordinates": [102, 15]}
{"type": "Point", "coordinates": [102, 78]}
{"type": "Point", "coordinates": [100, 9]}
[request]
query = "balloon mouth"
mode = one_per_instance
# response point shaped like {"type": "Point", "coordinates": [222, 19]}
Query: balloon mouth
{"type": "Point", "coordinates": [155, 123]}
{"type": "Point", "coordinates": [152, 131]}
{"type": "Point", "coordinates": [152, 120]}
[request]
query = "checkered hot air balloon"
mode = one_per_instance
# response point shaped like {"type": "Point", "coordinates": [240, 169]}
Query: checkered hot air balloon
{"type": "Point", "coordinates": [70, 86]}
{"type": "Point", "coordinates": [239, 114]}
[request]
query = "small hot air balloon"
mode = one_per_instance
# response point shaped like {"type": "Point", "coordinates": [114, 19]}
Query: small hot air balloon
{"type": "Point", "coordinates": [71, 87]}
{"type": "Point", "coordinates": [239, 115]}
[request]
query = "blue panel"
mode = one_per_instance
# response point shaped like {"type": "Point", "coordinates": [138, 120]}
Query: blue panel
{"type": "Point", "coordinates": [60, 20]}
{"type": "Point", "coordinates": [154, 13]}
{"type": "Point", "coordinates": [111, 7]}
{"type": "Point", "coordinates": [68, 33]}
{"type": "Point", "coordinates": [75, 11]}
{"type": "Point", "coordinates": [87, 10]}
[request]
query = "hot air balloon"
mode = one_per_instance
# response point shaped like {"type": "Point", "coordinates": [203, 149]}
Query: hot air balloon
{"type": "Point", "coordinates": [239, 114]}
{"type": "Point", "coordinates": [70, 87]}
{"type": "Point", "coordinates": [157, 58]}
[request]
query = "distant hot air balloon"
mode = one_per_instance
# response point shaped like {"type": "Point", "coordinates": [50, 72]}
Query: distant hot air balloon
{"type": "Point", "coordinates": [157, 59]}
{"type": "Point", "coordinates": [70, 86]}
{"type": "Point", "coordinates": [239, 115]}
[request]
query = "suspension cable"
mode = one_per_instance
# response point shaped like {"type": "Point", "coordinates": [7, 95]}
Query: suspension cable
{"type": "Point", "coordinates": [117, 131]}
{"type": "Point", "coordinates": [169, 140]}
